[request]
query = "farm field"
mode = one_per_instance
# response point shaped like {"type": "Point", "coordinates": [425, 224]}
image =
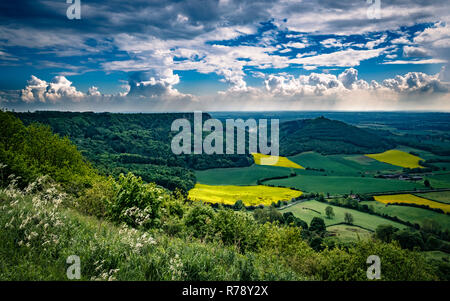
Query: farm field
{"type": "Point", "coordinates": [410, 214]}
{"type": "Point", "coordinates": [239, 175]}
{"type": "Point", "coordinates": [282, 161]}
{"type": "Point", "coordinates": [250, 195]}
{"type": "Point", "coordinates": [310, 209]}
{"type": "Point", "coordinates": [350, 165]}
{"type": "Point", "coordinates": [410, 199]}
{"type": "Point", "coordinates": [343, 184]}
{"type": "Point", "coordinates": [397, 158]}
{"type": "Point", "coordinates": [346, 233]}
{"type": "Point", "coordinates": [440, 196]}
{"type": "Point", "coordinates": [421, 153]}
{"type": "Point", "coordinates": [439, 180]}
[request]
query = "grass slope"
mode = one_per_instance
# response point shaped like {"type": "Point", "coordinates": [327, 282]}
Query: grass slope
{"type": "Point", "coordinates": [250, 195]}
{"type": "Point", "coordinates": [398, 158]}
{"type": "Point", "coordinates": [346, 233]}
{"type": "Point", "coordinates": [309, 209]}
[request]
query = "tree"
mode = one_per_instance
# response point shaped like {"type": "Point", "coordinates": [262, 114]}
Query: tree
{"type": "Point", "coordinates": [329, 212]}
{"type": "Point", "coordinates": [385, 232]}
{"type": "Point", "coordinates": [290, 219]}
{"type": "Point", "coordinates": [426, 183]}
{"type": "Point", "coordinates": [409, 239]}
{"type": "Point", "coordinates": [317, 224]}
{"type": "Point", "coordinates": [268, 215]}
{"type": "Point", "coordinates": [239, 205]}
{"type": "Point", "coordinates": [316, 243]}
{"type": "Point", "coordinates": [348, 218]}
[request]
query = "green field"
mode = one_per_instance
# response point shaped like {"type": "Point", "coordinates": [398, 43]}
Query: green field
{"type": "Point", "coordinates": [307, 210]}
{"type": "Point", "coordinates": [350, 165]}
{"type": "Point", "coordinates": [341, 174]}
{"type": "Point", "coordinates": [442, 196]}
{"type": "Point", "coordinates": [440, 180]}
{"type": "Point", "coordinates": [343, 184]}
{"type": "Point", "coordinates": [346, 233]}
{"type": "Point", "coordinates": [410, 214]}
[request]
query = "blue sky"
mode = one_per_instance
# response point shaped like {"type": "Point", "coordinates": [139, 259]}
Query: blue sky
{"type": "Point", "coordinates": [143, 56]}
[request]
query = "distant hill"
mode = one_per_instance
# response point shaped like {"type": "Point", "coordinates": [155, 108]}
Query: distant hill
{"type": "Point", "coordinates": [329, 137]}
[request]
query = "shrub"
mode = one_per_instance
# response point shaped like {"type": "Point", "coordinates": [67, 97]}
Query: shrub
{"type": "Point", "coordinates": [94, 201]}
{"type": "Point", "coordinates": [385, 232]}
{"type": "Point", "coordinates": [199, 219]}
{"type": "Point", "coordinates": [317, 224]}
{"type": "Point", "coordinates": [136, 203]}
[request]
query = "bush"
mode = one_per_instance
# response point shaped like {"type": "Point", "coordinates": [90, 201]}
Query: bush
{"type": "Point", "coordinates": [236, 228]}
{"type": "Point", "coordinates": [317, 224]}
{"type": "Point", "coordinates": [199, 220]}
{"type": "Point", "coordinates": [385, 233]}
{"type": "Point", "coordinates": [409, 239]}
{"type": "Point", "coordinates": [345, 264]}
{"type": "Point", "coordinates": [136, 203]}
{"type": "Point", "coordinates": [94, 201]}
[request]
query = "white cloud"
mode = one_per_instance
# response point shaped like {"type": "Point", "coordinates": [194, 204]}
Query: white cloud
{"type": "Point", "coordinates": [343, 58]}
{"type": "Point", "coordinates": [401, 40]}
{"type": "Point", "coordinates": [375, 43]}
{"type": "Point", "coordinates": [59, 88]}
{"type": "Point", "coordinates": [432, 35]}
{"type": "Point", "coordinates": [93, 91]}
{"type": "Point", "coordinates": [298, 45]}
{"type": "Point", "coordinates": [416, 82]}
{"type": "Point", "coordinates": [155, 84]}
{"type": "Point", "coordinates": [419, 62]}
{"type": "Point", "coordinates": [331, 43]}
{"type": "Point", "coordinates": [415, 51]}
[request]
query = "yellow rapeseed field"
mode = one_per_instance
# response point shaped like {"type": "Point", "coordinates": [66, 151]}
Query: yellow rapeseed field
{"type": "Point", "coordinates": [250, 195]}
{"type": "Point", "coordinates": [411, 199]}
{"type": "Point", "coordinates": [397, 158]}
{"type": "Point", "coordinates": [282, 161]}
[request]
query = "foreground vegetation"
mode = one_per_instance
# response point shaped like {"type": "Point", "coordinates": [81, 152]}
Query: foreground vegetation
{"type": "Point", "coordinates": [41, 230]}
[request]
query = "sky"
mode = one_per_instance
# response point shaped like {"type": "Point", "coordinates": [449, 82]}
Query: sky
{"type": "Point", "coordinates": [225, 55]}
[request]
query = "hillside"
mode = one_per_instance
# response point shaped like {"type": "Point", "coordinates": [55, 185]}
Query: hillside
{"type": "Point", "coordinates": [327, 136]}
